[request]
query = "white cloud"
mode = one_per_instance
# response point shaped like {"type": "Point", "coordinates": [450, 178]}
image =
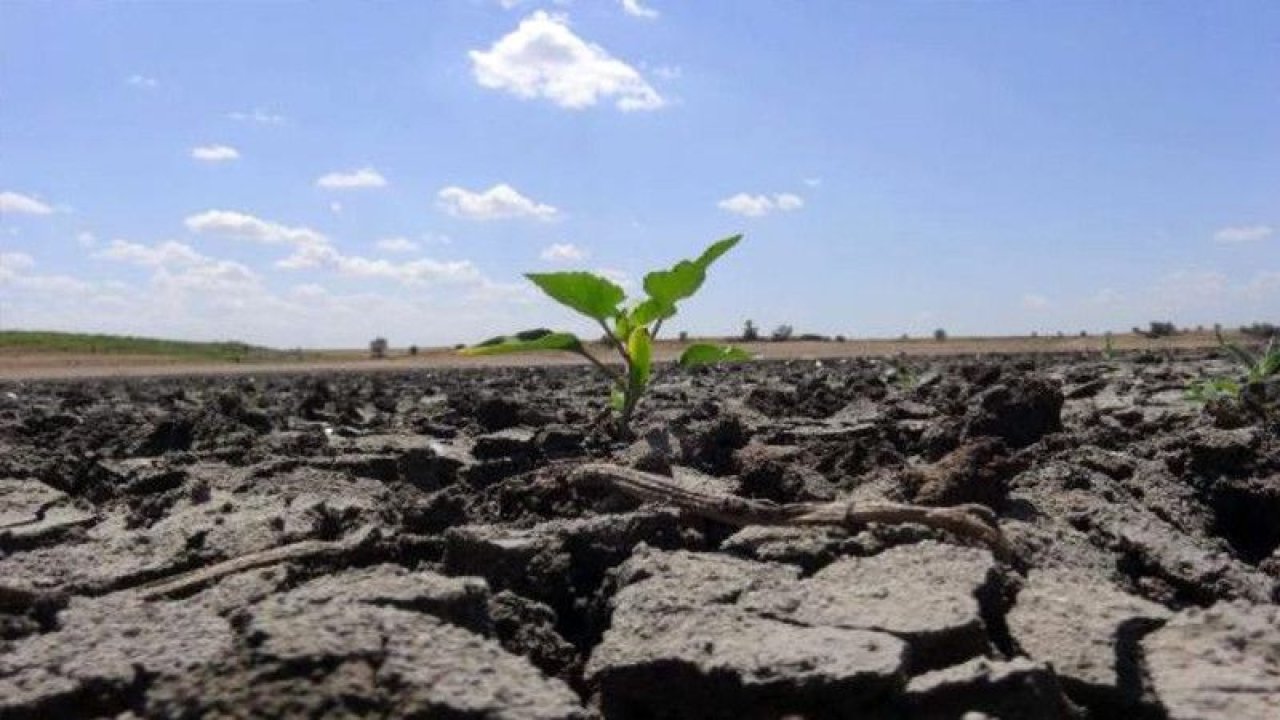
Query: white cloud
{"type": "Point", "coordinates": [509, 4]}
{"type": "Point", "coordinates": [215, 153]}
{"type": "Point", "coordinates": [363, 178]}
{"type": "Point", "coordinates": [335, 207]}
{"type": "Point", "coordinates": [543, 58]}
{"type": "Point", "coordinates": [190, 295]}
{"type": "Point", "coordinates": [312, 249]}
{"type": "Point", "coordinates": [1243, 233]}
{"type": "Point", "coordinates": [498, 202]}
{"type": "Point", "coordinates": [397, 245]}
{"type": "Point", "coordinates": [258, 116]}
{"type": "Point", "coordinates": [167, 254]}
{"type": "Point", "coordinates": [229, 223]}
{"type": "Point", "coordinates": [813, 182]}
{"type": "Point", "coordinates": [759, 205]}
{"type": "Point", "coordinates": [142, 81]}
{"type": "Point", "coordinates": [17, 203]}
{"type": "Point", "coordinates": [669, 72]}
{"type": "Point", "coordinates": [635, 9]}
{"type": "Point", "coordinates": [788, 201]}
{"type": "Point", "coordinates": [14, 262]}
{"type": "Point", "coordinates": [563, 252]}
{"type": "Point", "coordinates": [86, 239]}
{"type": "Point", "coordinates": [1032, 301]}
{"type": "Point", "coordinates": [413, 272]}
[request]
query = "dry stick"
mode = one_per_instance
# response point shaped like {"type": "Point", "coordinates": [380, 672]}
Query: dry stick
{"type": "Point", "coordinates": [194, 579]}
{"type": "Point", "coordinates": [974, 522]}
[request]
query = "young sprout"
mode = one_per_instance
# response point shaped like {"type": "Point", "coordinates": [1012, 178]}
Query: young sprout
{"type": "Point", "coordinates": [1258, 368]}
{"type": "Point", "coordinates": [629, 329]}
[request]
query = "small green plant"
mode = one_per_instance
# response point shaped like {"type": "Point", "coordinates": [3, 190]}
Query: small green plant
{"type": "Point", "coordinates": [1108, 347]}
{"type": "Point", "coordinates": [1258, 367]}
{"type": "Point", "coordinates": [629, 329]}
{"type": "Point", "coordinates": [1213, 389]}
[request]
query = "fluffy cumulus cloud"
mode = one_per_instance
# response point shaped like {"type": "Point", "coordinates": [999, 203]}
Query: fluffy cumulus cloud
{"type": "Point", "coordinates": [19, 204]}
{"type": "Point", "coordinates": [543, 58]}
{"type": "Point", "coordinates": [229, 223]}
{"type": "Point", "coordinates": [563, 252]}
{"type": "Point", "coordinates": [635, 9]}
{"type": "Point", "coordinates": [312, 249]}
{"type": "Point", "coordinates": [184, 292]}
{"type": "Point", "coordinates": [749, 205]}
{"type": "Point", "coordinates": [362, 178]}
{"type": "Point", "coordinates": [1243, 233]}
{"type": "Point", "coordinates": [498, 202]}
{"type": "Point", "coordinates": [215, 153]}
{"type": "Point", "coordinates": [397, 245]}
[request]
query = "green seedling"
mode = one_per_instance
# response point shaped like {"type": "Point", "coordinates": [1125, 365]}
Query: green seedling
{"type": "Point", "coordinates": [1213, 389]}
{"type": "Point", "coordinates": [630, 329]}
{"type": "Point", "coordinates": [1108, 347]}
{"type": "Point", "coordinates": [1258, 367]}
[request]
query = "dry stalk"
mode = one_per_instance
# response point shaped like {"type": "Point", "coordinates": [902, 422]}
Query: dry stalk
{"type": "Point", "coordinates": [970, 521]}
{"type": "Point", "coordinates": [294, 552]}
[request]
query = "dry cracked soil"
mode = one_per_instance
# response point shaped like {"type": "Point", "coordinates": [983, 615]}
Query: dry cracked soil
{"type": "Point", "coordinates": [412, 545]}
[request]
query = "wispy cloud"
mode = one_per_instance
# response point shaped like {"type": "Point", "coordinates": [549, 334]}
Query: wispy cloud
{"type": "Point", "coordinates": [397, 245]}
{"type": "Point", "coordinates": [1243, 233]}
{"type": "Point", "coordinates": [257, 116]}
{"type": "Point", "coordinates": [18, 204]}
{"type": "Point", "coordinates": [498, 202]}
{"type": "Point", "coordinates": [749, 205]}
{"type": "Point", "coordinates": [563, 252]}
{"type": "Point", "coordinates": [215, 153]}
{"type": "Point", "coordinates": [363, 178]}
{"type": "Point", "coordinates": [142, 81]}
{"type": "Point", "coordinates": [635, 9]}
{"type": "Point", "coordinates": [543, 58]}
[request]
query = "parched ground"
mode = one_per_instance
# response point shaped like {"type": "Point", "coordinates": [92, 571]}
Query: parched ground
{"type": "Point", "coordinates": [414, 543]}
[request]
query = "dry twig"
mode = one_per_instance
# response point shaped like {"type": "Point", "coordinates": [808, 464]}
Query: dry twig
{"type": "Point", "coordinates": [973, 522]}
{"type": "Point", "coordinates": [200, 577]}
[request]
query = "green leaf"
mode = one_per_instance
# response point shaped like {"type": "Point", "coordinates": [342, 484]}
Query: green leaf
{"type": "Point", "coordinates": [640, 349]}
{"type": "Point", "coordinates": [592, 295]}
{"type": "Point", "coordinates": [622, 325]}
{"type": "Point", "coordinates": [651, 310]}
{"type": "Point", "coordinates": [718, 248]}
{"type": "Point", "coordinates": [704, 354]}
{"type": "Point", "coordinates": [617, 398]}
{"type": "Point", "coordinates": [527, 341]}
{"type": "Point", "coordinates": [686, 276]}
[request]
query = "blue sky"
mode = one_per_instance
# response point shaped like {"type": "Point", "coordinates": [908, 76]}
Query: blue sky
{"type": "Point", "coordinates": [314, 174]}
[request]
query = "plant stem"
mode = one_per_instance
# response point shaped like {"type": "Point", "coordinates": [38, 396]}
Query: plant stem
{"type": "Point", "coordinates": [611, 373]}
{"type": "Point", "coordinates": [617, 344]}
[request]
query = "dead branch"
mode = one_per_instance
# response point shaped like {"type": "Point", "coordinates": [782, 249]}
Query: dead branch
{"type": "Point", "coordinates": [972, 522]}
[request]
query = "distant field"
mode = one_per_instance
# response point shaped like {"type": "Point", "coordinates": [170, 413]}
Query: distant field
{"type": "Point", "coordinates": [25, 354]}
{"type": "Point", "coordinates": [22, 342]}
